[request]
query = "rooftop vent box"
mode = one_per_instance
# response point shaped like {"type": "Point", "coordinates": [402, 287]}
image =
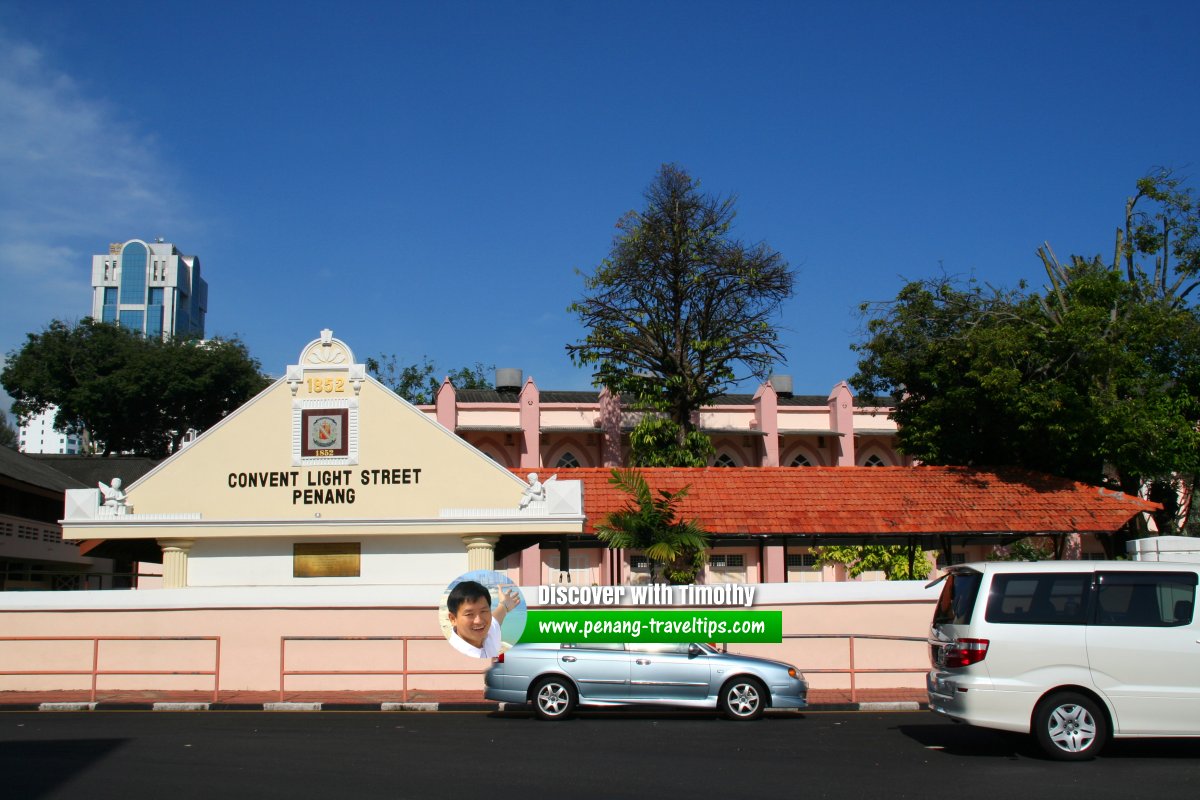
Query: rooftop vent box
{"type": "Point", "coordinates": [782, 384]}
{"type": "Point", "coordinates": [508, 379]}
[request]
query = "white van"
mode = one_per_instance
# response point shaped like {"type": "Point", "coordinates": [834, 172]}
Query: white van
{"type": "Point", "coordinates": [1073, 651]}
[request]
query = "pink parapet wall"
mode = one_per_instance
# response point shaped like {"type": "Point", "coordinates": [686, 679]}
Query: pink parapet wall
{"type": "Point", "coordinates": [251, 624]}
{"type": "Point", "coordinates": [841, 419]}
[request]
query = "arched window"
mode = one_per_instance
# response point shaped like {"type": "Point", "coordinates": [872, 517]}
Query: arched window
{"type": "Point", "coordinates": [133, 273]}
{"type": "Point", "coordinates": [567, 459]}
{"type": "Point", "coordinates": [724, 460]}
{"type": "Point", "coordinates": [874, 461]}
{"type": "Point", "coordinates": [801, 461]}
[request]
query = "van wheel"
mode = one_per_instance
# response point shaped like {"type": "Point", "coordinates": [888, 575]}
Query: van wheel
{"type": "Point", "coordinates": [554, 698]}
{"type": "Point", "coordinates": [1070, 727]}
{"type": "Point", "coordinates": [743, 699]}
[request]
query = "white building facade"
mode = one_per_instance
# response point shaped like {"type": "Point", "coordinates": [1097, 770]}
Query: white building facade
{"type": "Point", "coordinates": [37, 435]}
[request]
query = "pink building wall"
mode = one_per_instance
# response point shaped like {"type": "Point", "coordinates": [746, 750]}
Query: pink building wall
{"type": "Point", "coordinates": [250, 641]}
{"type": "Point", "coordinates": [766, 430]}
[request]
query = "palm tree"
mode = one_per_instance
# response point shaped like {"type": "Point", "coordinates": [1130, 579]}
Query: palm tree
{"type": "Point", "coordinates": [652, 525]}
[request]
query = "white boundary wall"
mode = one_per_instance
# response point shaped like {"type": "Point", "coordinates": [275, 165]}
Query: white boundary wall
{"type": "Point", "coordinates": [1165, 548]}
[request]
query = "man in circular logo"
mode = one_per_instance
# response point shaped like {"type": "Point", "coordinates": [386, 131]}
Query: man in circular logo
{"type": "Point", "coordinates": [474, 627]}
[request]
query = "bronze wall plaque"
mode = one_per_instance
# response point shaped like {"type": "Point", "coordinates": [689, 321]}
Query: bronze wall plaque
{"type": "Point", "coordinates": [327, 560]}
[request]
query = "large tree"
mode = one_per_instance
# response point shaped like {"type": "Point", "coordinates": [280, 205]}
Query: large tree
{"type": "Point", "coordinates": [1096, 377]}
{"type": "Point", "coordinates": [127, 393]}
{"type": "Point", "coordinates": [681, 309]}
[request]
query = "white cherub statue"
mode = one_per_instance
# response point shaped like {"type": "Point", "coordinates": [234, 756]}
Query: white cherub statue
{"type": "Point", "coordinates": [536, 491]}
{"type": "Point", "coordinates": [114, 497]}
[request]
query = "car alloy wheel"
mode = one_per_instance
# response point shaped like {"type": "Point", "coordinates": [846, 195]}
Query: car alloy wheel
{"type": "Point", "coordinates": [1070, 727]}
{"type": "Point", "coordinates": [743, 699]}
{"type": "Point", "coordinates": [553, 698]}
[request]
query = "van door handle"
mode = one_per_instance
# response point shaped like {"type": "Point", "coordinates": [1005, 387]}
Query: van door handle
{"type": "Point", "coordinates": [569, 658]}
{"type": "Point", "coordinates": [642, 661]}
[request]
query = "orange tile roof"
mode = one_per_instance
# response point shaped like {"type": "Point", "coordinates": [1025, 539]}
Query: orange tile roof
{"type": "Point", "coordinates": [871, 500]}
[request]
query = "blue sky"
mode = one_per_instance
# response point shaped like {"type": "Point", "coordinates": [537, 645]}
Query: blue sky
{"type": "Point", "coordinates": [425, 178]}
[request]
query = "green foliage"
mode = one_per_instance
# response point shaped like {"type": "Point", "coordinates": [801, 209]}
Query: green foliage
{"type": "Point", "coordinates": [8, 434]}
{"type": "Point", "coordinates": [679, 305]}
{"type": "Point", "coordinates": [659, 442]}
{"type": "Point", "coordinates": [130, 393]}
{"type": "Point", "coordinates": [1162, 222]}
{"type": "Point", "coordinates": [897, 562]}
{"type": "Point", "coordinates": [1027, 549]}
{"type": "Point", "coordinates": [650, 523]}
{"type": "Point", "coordinates": [418, 383]}
{"type": "Point", "coordinates": [1096, 377]}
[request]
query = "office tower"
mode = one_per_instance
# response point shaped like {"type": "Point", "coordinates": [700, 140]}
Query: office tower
{"type": "Point", "coordinates": [149, 287]}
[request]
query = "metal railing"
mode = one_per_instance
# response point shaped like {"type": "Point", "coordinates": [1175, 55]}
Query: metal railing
{"type": "Point", "coordinates": [854, 671]}
{"type": "Point", "coordinates": [95, 672]}
{"type": "Point", "coordinates": [404, 671]}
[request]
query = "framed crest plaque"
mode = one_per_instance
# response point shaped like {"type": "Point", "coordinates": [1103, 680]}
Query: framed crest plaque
{"type": "Point", "coordinates": [325, 432]}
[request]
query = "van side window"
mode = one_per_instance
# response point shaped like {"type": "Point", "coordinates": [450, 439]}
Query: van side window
{"type": "Point", "coordinates": [1145, 599]}
{"type": "Point", "coordinates": [1048, 598]}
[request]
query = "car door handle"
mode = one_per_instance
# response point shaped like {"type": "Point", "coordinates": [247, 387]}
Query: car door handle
{"type": "Point", "coordinates": [569, 658]}
{"type": "Point", "coordinates": [642, 661]}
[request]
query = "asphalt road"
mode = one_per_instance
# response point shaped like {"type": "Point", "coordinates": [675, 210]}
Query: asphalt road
{"type": "Point", "coordinates": [227, 755]}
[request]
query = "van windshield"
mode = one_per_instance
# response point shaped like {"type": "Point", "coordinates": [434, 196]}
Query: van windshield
{"type": "Point", "coordinates": [957, 600]}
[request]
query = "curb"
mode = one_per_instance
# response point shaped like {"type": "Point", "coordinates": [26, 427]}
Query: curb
{"type": "Point", "coordinates": [292, 706]}
{"type": "Point", "coordinates": [896, 706]}
{"type": "Point", "coordinates": [502, 707]}
{"type": "Point", "coordinates": [410, 706]}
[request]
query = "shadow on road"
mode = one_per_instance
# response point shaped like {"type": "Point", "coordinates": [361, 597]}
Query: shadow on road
{"type": "Point", "coordinates": [648, 712]}
{"type": "Point", "coordinates": [964, 740]}
{"type": "Point", "coordinates": [32, 769]}
{"type": "Point", "coordinates": [1152, 748]}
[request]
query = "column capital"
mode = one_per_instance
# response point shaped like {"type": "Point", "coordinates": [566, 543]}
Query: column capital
{"type": "Point", "coordinates": [175, 559]}
{"type": "Point", "coordinates": [481, 552]}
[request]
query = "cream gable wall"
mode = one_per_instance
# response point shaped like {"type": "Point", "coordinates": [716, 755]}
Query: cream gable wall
{"type": "Point", "coordinates": [257, 439]}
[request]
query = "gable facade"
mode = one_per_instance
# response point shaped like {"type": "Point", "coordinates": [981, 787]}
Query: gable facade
{"type": "Point", "coordinates": [324, 456]}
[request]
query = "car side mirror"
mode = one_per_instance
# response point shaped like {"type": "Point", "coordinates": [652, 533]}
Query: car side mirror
{"type": "Point", "coordinates": [694, 650]}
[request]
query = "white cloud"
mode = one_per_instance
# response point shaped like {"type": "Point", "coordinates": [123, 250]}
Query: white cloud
{"type": "Point", "coordinates": [76, 175]}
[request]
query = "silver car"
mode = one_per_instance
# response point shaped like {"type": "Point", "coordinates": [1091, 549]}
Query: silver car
{"type": "Point", "coordinates": [555, 678]}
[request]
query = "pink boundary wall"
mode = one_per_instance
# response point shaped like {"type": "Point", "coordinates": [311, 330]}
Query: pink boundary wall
{"type": "Point", "coordinates": [251, 622]}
